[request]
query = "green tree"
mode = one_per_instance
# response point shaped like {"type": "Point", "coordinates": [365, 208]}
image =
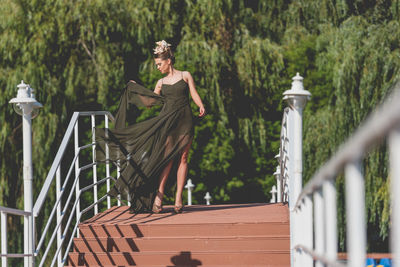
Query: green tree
{"type": "Point", "coordinates": [78, 55]}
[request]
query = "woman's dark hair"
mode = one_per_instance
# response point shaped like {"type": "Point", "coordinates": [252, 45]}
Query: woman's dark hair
{"type": "Point", "coordinates": [167, 54]}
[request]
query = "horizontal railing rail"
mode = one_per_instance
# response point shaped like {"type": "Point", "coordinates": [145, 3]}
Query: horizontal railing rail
{"type": "Point", "coordinates": [14, 211]}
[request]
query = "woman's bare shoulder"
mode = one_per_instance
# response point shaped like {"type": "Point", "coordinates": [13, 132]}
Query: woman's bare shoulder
{"type": "Point", "coordinates": [186, 75]}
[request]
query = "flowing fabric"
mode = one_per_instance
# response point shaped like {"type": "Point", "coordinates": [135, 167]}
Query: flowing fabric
{"type": "Point", "coordinates": [143, 149]}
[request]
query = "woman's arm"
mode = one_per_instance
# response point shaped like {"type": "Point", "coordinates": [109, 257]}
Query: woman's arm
{"type": "Point", "coordinates": [157, 89]}
{"type": "Point", "coordinates": [193, 92]}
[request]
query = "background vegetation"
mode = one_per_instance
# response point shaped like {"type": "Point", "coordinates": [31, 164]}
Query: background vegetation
{"type": "Point", "coordinates": [78, 55]}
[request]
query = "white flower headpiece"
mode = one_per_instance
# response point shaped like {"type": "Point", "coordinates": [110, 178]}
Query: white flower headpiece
{"type": "Point", "coordinates": [162, 46]}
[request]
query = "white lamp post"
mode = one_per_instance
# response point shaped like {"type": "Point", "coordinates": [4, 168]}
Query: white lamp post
{"type": "Point", "coordinates": [297, 98]}
{"type": "Point", "coordinates": [189, 187]}
{"type": "Point", "coordinates": [207, 197]}
{"type": "Point", "coordinates": [26, 105]}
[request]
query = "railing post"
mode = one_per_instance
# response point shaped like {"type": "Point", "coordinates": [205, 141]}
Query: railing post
{"type": "Point", "coordinates": [330, 219]}
{"type": "Point", "coordinates": [118, 175]}
{"type": "Point", "coordinates": [273, 194]}
{"type": "Point", "coordinates": [296, 98]}
{"type": "Point", "coordinates": [295, 230]}
{"type": "Point", "coordinates": [355, 215]}
{"type": "Point", "coordinates": [394, 148]}
{"type": "Point", "coordinates": [4, 238]}
{"type": "Point", "coordinates": [59, 209]}
{"type": "Point", "coordinates": [277, 175]}
{"type": "Point", "coordinates": [94, 161]}
{"type": "Point", "coordinates": [77, 172]}
{"type": "Point", "coordinates": [189, 187]}
{"type": "Point", "coordinates": [107, 163]}
{"type": "Point", "coordinates": [207, 197]}
{"type": "Point", "coordinates": [304, 229]}
{"type": "Point", "coordinates": [319, 225]}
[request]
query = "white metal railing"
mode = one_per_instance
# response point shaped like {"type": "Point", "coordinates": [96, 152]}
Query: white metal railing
{"type": "Point", "coordinates": [282, 171]}
{"type": "Point", "coordinates": [4, 212]}
{"type": "Point", "coordinates": [289, 172]}
{"type": "Point", "coordinates": [313, 211]}
{"type": "Point", "coordinates": [62, 222]}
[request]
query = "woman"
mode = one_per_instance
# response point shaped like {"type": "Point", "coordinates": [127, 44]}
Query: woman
{"type": "Point", "coordinates": [178, 80]}
{"type": "Point", "coordinates": [146, 151]}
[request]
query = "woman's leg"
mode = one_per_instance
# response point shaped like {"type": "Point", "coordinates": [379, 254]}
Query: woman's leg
{"type": "Point", "coordinates": [162, 181]}
{"type": "Point", "coordinates": [181, 175]}
{"type": "Point", "coordinates": [163, 176]}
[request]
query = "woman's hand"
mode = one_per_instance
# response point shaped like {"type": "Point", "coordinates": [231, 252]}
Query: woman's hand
{"type": "Point", "coordinates": [132, 81]}
{"type": "Point", "coordinates": [202, 111]}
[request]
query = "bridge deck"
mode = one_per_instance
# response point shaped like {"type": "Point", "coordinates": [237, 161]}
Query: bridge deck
{"type": "Point", "coordinates": [218, 235]}
{"type": "Point", "coordinates": [234, 213]}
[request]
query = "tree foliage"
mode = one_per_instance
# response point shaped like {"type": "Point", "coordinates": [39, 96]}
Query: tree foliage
{"type": "Point", "coordinates": [78, 55]}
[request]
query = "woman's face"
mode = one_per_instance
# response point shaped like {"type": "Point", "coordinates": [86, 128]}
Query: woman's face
{"type": "Point", "coordinates": [162, 64]}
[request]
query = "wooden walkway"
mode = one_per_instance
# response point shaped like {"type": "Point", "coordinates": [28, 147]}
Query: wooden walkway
{"type": "Point", "coordinates": [218, 235]}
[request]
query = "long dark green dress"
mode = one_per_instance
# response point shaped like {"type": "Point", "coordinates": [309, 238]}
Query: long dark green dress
{"type": "Point", "coordinates": [142, 150]}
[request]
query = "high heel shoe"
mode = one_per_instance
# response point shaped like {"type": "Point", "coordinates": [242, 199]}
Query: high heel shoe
{"type": "Point", "coordinates": [158, 208]}
{"type": "Point", "coordinates": [178, 209]}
